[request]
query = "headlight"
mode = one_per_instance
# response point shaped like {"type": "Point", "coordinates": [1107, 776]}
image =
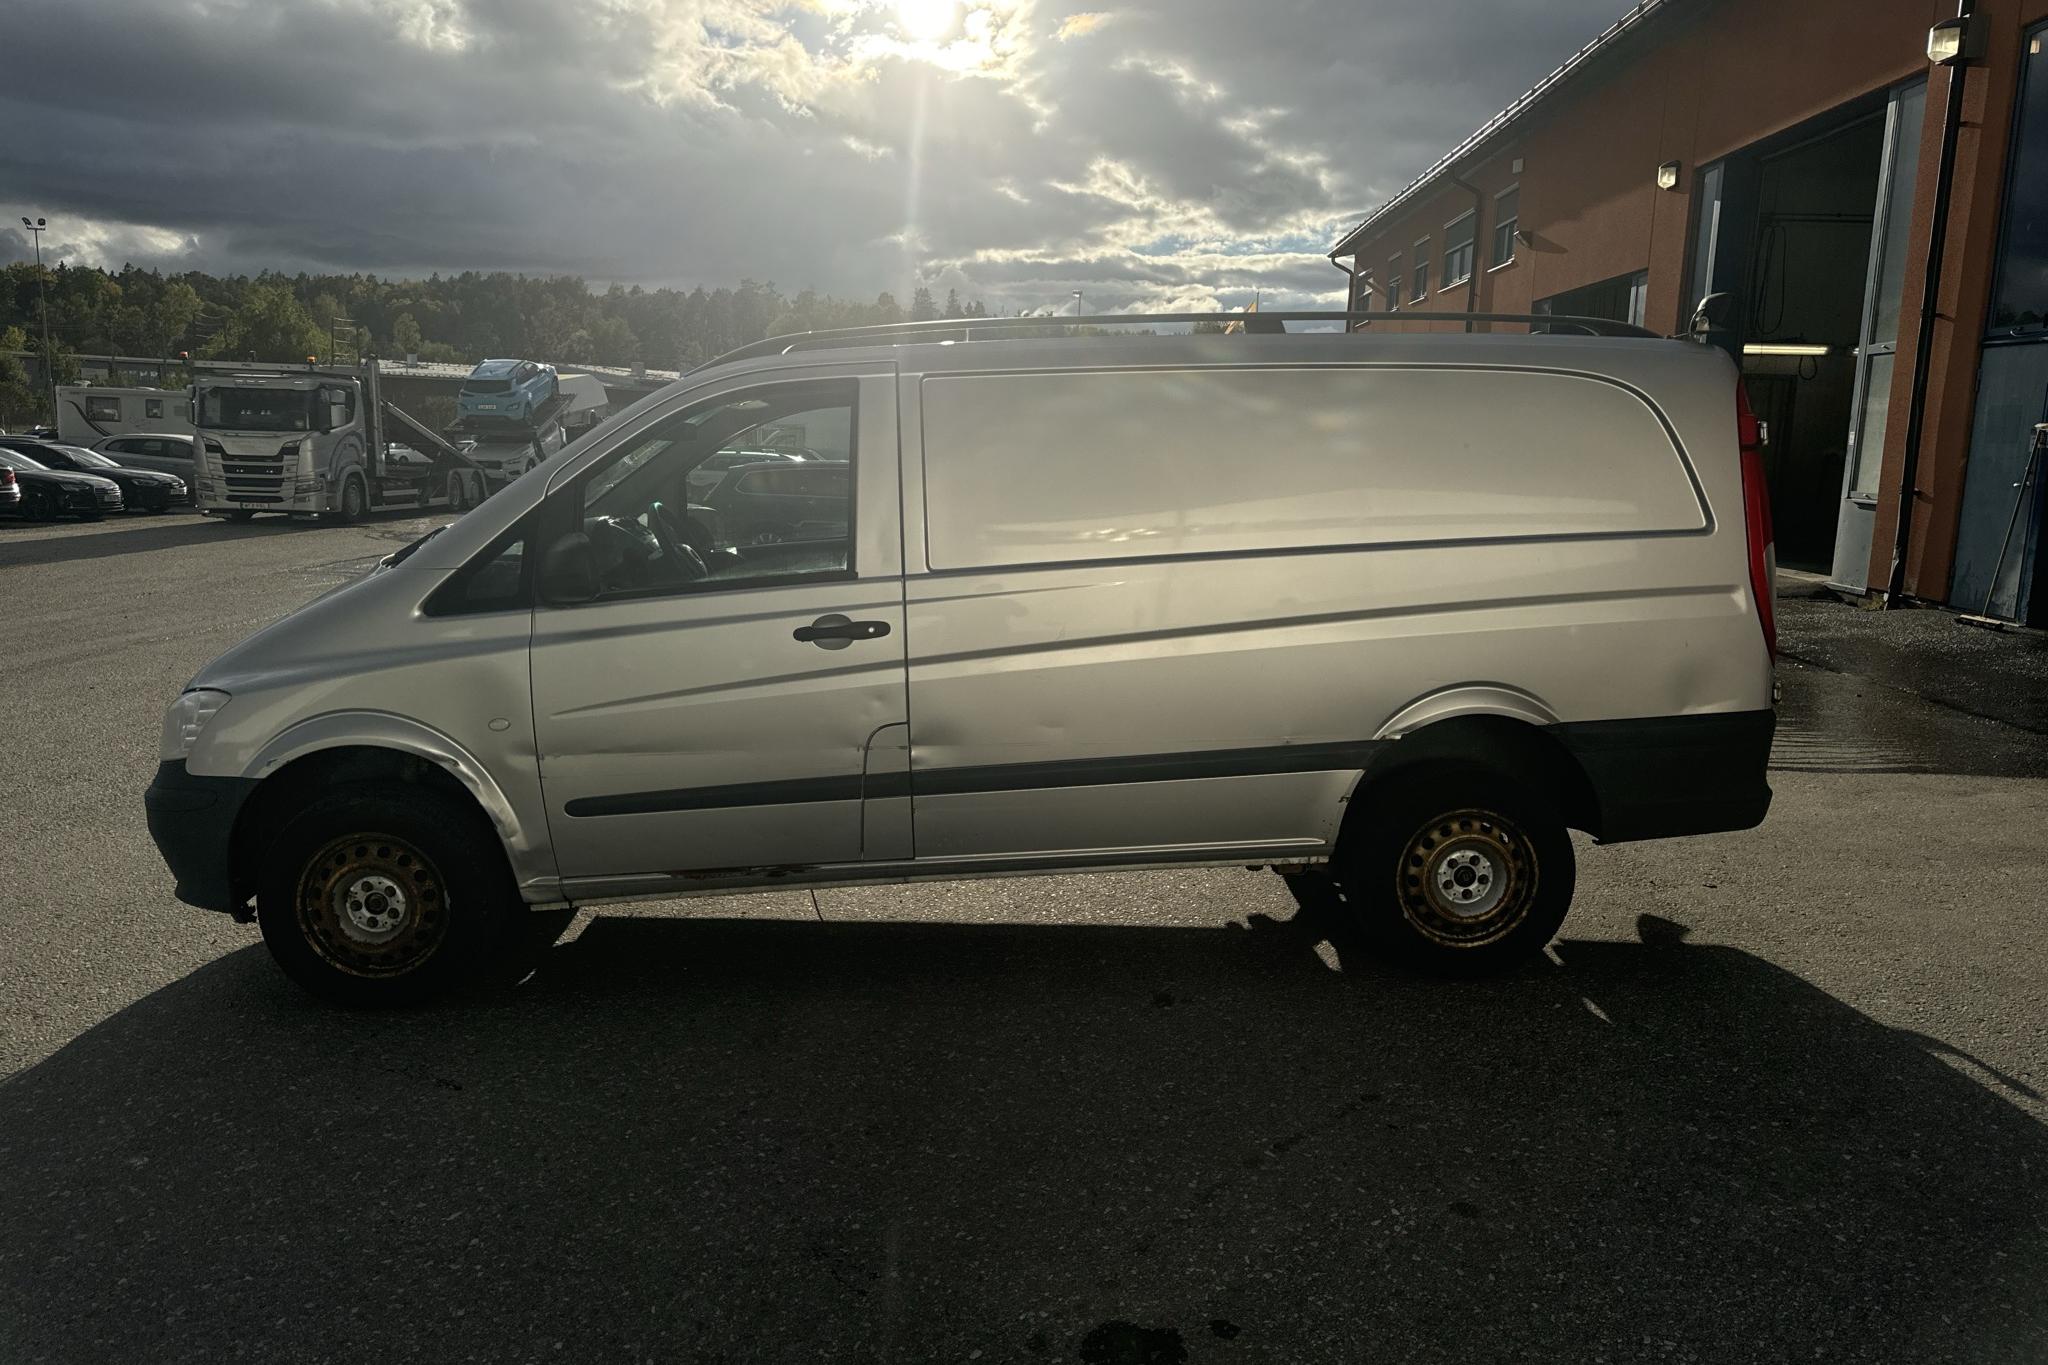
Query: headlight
{"type": "Point", "coordinates": [186, 719]}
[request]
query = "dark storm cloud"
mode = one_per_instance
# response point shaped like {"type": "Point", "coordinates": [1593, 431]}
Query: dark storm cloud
{"type": "Point", "coordinates": [1168, 151]}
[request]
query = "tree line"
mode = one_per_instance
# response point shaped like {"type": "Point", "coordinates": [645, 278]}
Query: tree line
{"type": "Point", "coordinates": [457, 318]}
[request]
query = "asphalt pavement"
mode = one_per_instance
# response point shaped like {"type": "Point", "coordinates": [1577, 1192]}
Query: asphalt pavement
{"type": "Point", "coordinates": [1775, 1095]}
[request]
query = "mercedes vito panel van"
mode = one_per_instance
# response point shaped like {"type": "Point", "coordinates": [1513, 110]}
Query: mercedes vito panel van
{"type": "Point", "coordinates": [1390, 614]}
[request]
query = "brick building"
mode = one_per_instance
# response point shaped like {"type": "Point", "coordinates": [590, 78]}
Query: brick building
{"type": "Point", "coordinates": [1789, 154]}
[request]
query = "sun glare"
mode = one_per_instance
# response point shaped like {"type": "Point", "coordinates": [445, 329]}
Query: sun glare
{"type": "Point", "coordinates": [926, 21]}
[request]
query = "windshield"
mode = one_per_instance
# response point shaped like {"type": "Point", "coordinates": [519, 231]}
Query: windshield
{"type": "Point", "coordinates": [257, 409]}
{"type": "Point", "coordinates": [400, 556]}
{"type": "Point", "coordinates": [92, 459]}
{"type": "Point", "coordinates": [12, 459]}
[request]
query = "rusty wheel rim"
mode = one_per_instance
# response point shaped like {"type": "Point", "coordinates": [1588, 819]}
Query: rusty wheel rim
{"type": "Point", "coordinates": [1467, 878]}
{"type": "Point", "coordinates": [373, 905]}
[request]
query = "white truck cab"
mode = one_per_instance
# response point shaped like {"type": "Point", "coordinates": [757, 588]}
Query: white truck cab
{"type": "Point", "coordinates": [316, 441]}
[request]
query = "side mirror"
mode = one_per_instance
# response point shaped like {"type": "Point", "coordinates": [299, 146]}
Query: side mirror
{"type": "Point", "coordinates": [1710, 316]}
{"type": "Point", "coordinates": [568, 571]}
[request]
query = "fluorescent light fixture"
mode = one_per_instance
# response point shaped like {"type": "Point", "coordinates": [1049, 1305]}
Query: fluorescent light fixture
{"type": "Point", "coordinates": [1783, 348]}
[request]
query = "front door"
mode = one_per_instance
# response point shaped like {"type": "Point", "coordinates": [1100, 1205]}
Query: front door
{"type": "Point", "coordinates": [704, 701]}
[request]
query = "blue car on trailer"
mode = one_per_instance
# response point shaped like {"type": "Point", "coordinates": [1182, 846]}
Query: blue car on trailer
{"type": "Point", "coordinates": [512, 389]}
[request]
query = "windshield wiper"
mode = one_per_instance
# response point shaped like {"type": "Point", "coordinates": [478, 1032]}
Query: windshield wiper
{"type": "Point", "coordinates": [401, 555]}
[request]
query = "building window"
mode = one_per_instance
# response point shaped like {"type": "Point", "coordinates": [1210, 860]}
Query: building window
{"type": "Point", "coordinates": [1620, 299]}
{"type": "Point", "coordinates": [1363, 304]}
{"type": "Point", "coordinates": [1458, 249]}
{"type": "Point", "coordinates": [1394, 284]}
{"type": "Point", "coordinates": [1421, 272]}
{"type": "Point", "coordinates": [2019, 303]}
{"type": "Point", "coordinates": [1506, 222]}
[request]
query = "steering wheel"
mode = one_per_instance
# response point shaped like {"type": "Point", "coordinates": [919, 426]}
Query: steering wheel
{"type": "Point", "coordinates": [689, 564]}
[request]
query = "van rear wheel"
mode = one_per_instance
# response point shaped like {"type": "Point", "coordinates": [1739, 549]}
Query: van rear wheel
{"type": "Point", "coordinates": [384, 895]}
{"type": "Point", "coordinates": [1456, 872]}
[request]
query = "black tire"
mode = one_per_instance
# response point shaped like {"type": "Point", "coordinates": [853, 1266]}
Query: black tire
{"type": "Point", "coordinates": [38, 505]}
{"type": "Point", "coordinates": [458, 494]}
{"type": "Point", "coordinates": [1454, 871]}
{"type": "Point", "coordinates": [240, 516]}
{"type": "Point", "coordinates": [354, 501]}
{"type": "Point", "coordinates": [384, 895]}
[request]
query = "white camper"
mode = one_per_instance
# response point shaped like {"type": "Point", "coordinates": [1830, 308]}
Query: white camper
{"type": "Point", "coordinates": [89, 413]}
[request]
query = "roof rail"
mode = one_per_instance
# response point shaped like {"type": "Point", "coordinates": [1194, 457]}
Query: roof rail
{"type": "Point", "coordinates": [941, 329]}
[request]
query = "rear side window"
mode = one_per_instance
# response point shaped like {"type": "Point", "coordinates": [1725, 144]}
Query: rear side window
{"type": "Point", "coordinates": [1062, 467]}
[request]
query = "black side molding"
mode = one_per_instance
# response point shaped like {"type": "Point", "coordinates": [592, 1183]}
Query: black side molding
{"type": "Point", "coordinates": [1001, 777]}
{"type": "Point", "coordinates": [1661, 776]}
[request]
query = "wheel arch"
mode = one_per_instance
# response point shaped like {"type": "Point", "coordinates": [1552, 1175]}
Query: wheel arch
{"type": "Point", "coordinates": [1512, 742]}
{"type": "Point", "coordinates": [375, 746]}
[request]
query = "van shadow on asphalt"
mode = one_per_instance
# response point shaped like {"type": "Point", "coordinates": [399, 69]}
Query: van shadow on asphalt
{"type": "Point", "coordinates": [737, 1139]}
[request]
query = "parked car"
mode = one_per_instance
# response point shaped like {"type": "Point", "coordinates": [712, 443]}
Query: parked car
{"type": "Point", "coordinates": [711, 471]}
{"type": "Point", "coordinates": [47, 494]}
{"type": "Point", "coordinates": [773, 503]}
{"type": "Point", "coordinates": [511, 389]}
{"type": "Point", "coordinates": [142, 490]}
{"type": "Point", "coordinates": [165, 452]}
{"type": "Point", "coordinates": [1484, 589]}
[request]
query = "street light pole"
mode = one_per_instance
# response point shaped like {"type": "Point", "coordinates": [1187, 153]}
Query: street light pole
{"type": "Point", "coordinates": [43, 301]}
{"type": "Point", "coordinates": [1077, 303]}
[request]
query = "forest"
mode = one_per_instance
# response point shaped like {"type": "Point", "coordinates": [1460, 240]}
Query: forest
{"type": "Point", "coordinates": [459, 318]}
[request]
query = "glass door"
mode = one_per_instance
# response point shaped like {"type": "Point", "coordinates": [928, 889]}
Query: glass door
{"type": "Point", "coordinates": [1878, 343]}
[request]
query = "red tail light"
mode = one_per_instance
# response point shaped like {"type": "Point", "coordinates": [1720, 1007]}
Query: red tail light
{"type": "Point", "coordinates": [1756, 520]}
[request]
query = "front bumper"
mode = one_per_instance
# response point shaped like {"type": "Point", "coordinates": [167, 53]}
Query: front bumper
{"type": "Point", "coordinates": [153, 498]}
{"type": "Point", "coordinates": [1668, 775]}
{"type": "Point", "coordinates": [192, 820]}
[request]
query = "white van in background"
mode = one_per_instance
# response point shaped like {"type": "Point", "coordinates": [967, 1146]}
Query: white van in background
{"type": "Point", "coordinates": [1390, 614]}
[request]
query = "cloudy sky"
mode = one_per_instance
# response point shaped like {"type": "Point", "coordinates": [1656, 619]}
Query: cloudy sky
{"type": "Point", "coordinates": [1162, 153]}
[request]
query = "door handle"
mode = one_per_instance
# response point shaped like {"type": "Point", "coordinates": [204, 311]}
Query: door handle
{"type": "Point", "coordinates": [833, 631]}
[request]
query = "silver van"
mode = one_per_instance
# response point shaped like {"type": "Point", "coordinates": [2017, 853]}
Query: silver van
{"type": "Point", "coordinates": [1389, 614]}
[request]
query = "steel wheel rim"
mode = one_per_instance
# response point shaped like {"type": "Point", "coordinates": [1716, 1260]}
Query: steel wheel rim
{"type": "Point", "coordinates": [352, 499]}
{"type": "Point", "coordinates": [372, 905]}
{"type": "Point", "coordinates": [1467, 878]}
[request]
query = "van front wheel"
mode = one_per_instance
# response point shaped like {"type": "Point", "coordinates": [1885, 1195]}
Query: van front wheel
{"type": "Point", "coordinates": [1455, 872]}
{"type": "Point", "coordinates": [383, 895]}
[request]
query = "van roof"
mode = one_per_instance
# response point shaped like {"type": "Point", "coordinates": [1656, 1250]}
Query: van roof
{"type": "Point", "coordinates": [947, 331]}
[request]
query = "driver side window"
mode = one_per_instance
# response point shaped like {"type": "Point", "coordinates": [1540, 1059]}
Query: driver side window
{"type": "Point", "coordinates": [700, 502]}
